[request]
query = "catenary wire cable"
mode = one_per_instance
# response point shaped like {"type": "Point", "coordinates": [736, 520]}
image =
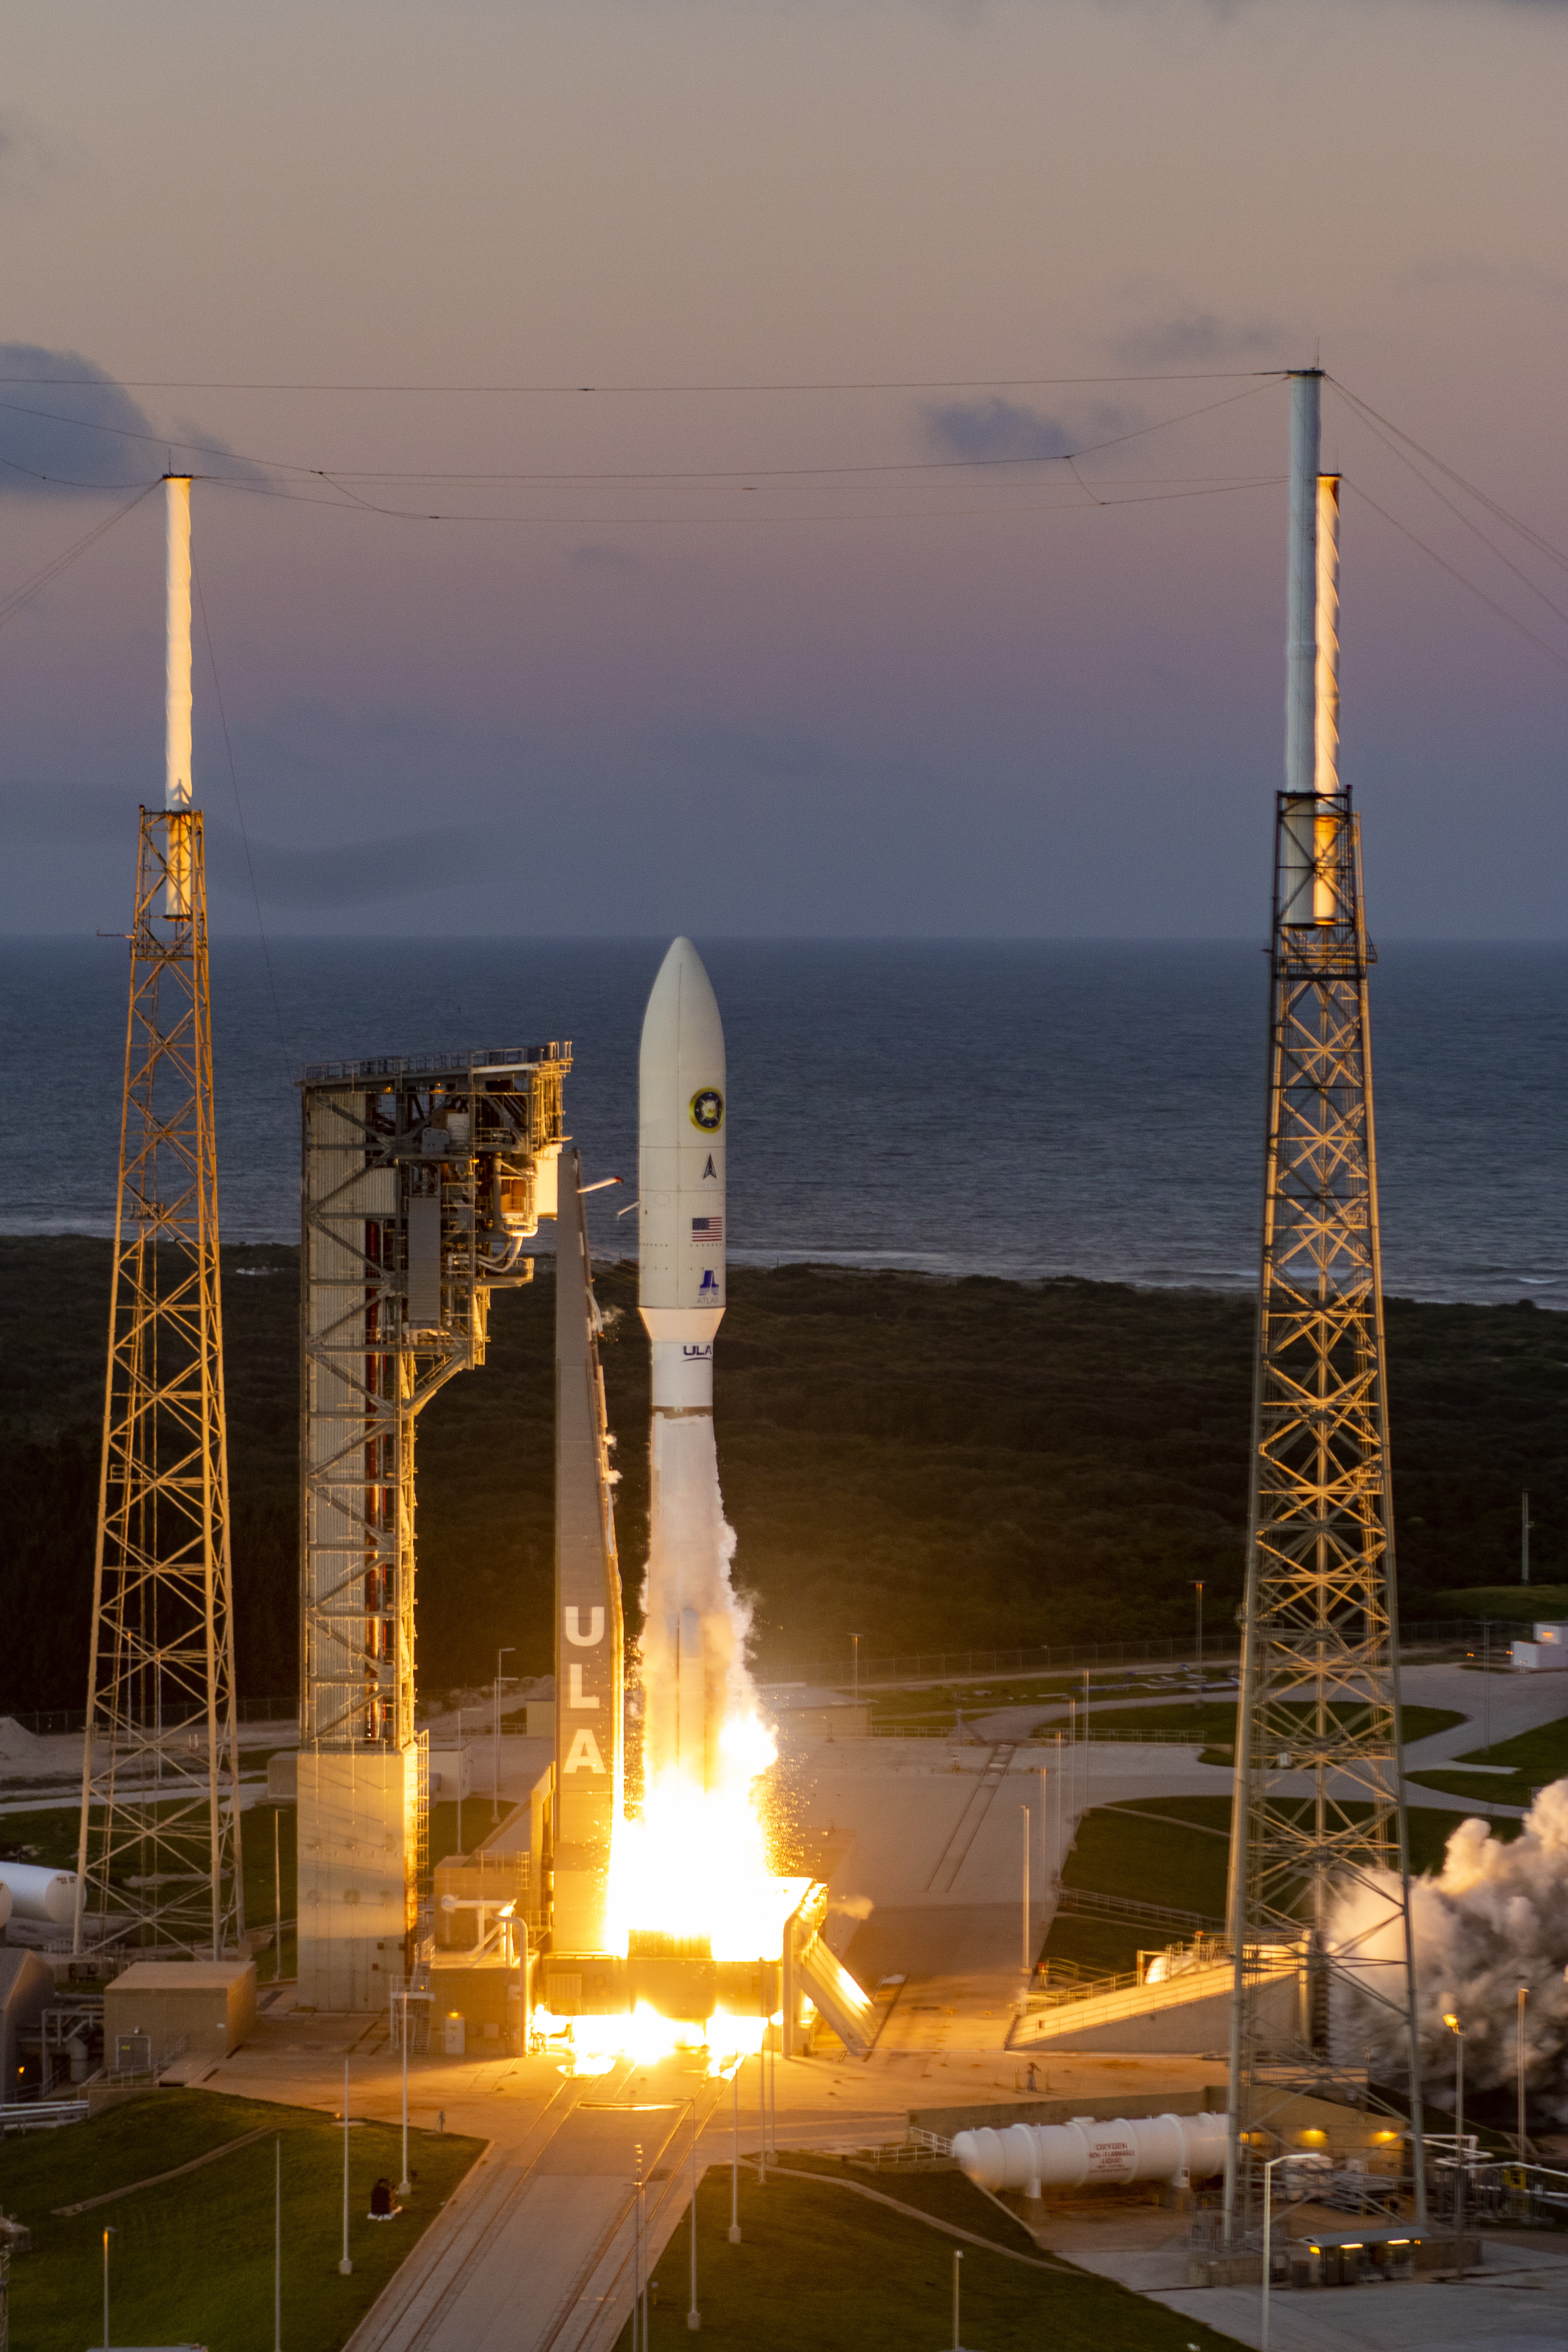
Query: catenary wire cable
{"type": "Point", "coordinates": [339, 477]}
{"type": "Point", "coordinates": [1526, 530]}
{"type": "Point", "coordinates": [1459, 513]}
{"type": "Point", "coordinates": [752, 516]}
{"type": "Point", "coordinates": [49, 573]}
{"type": "Point", "coordinates": [500, 391]}
{"type": "Point", "coordinates": [1454, 573]}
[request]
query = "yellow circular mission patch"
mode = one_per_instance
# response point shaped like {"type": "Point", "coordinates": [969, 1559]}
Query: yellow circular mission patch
{"type": "Point", "coordinates": [708, 1110]}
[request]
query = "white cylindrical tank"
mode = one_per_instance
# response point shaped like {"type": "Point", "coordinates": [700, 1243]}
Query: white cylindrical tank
{"type": "Point", "coordinates": [45, 1897]}
{"type": "Point", "coordinates": [1032, 2156]}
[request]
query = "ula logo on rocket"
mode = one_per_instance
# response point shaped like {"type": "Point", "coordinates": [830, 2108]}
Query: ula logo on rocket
{"type": "Point", "coordinates": [708, 1110]}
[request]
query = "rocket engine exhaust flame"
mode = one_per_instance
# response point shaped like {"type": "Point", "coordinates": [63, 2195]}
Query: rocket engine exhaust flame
{"type": "Point", "coordinates": [688, 1874]}
{"type": "Point", "coordinates": [1493, 1918]}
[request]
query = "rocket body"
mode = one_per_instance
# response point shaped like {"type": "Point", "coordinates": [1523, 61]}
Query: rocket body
{"type": "Point", "coordinates": [692, 1635]}
{"type": "Point", "coordinates": [680, 1179]}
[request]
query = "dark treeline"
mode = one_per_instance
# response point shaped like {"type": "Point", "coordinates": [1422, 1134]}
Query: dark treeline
{"type": "Point", "coordinates": [927, 1464]}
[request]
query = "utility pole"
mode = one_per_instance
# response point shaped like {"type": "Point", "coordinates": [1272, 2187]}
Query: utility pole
{"type": "Point", "coordinates": [158, 1846]}
{"type": "Point", "coordinates": [495, 1806]}
{"type": "Point", "coordinates": [1199, 1591]}
{"type": "Point", "coordinates": [1525, 1524]}
{"type": "Point", "coordinates": [1319, 1680]}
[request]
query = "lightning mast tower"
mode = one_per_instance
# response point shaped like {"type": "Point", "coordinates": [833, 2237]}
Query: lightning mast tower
{"type": "Point", "coordinates": [158, 1851]}
{"type": "Point", "coordinates": [1318, 1813]}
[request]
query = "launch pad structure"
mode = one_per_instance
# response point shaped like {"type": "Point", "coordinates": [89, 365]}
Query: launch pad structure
{"type": "Point", "coordinates": [421, 1180]}
{"type": "Point", "coordinates": [1319, 1680]}
{"type": "Point", "coordinates": [158, 1863]}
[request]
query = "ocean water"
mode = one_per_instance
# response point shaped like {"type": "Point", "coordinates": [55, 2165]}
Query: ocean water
{"type": "Point", "coordinates": [1019, 1109]}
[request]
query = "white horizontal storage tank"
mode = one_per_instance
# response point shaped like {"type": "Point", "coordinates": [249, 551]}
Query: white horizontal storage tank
{"type": "Point", "coordinates": [1032, 2156]}
{"type": "Point", "coordinates": [47, 1898]}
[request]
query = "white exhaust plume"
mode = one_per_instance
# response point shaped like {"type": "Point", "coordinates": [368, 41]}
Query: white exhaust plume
{"type": "Point", "coordinates": [1494, 1917]}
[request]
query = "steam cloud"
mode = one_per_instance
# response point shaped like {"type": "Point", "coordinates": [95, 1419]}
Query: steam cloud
{"type": "Point", "coordinates": [1494, 1917]}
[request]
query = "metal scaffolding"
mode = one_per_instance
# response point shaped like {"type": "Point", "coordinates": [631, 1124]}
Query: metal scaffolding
{"type": "Point", "coordinates": [158, 1853]}
{"type": "Point", "coordinates": [1318, 1835]}
{"type": "Point", "coordinates": [421, 1180]}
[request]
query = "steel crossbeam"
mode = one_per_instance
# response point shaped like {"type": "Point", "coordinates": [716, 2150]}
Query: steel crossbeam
{"type": "Point", "coordinates": [158, 1846]}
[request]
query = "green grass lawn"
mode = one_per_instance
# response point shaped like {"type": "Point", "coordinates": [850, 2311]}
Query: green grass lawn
{"type": "Point", "coordinates": [939, 1706]}
{"type": "Point", "coordinates": [1520, 1603]}
{"type": "Point", "coordinates": [1537, 1758]}
{"type": "Point", "coordinates": [819, 2266]}
{"type": "Point", "coordinates": [191, 2261]}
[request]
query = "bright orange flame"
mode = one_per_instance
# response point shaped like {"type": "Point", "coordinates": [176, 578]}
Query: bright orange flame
{"type": "Point", "coordinates": [694, 1864]}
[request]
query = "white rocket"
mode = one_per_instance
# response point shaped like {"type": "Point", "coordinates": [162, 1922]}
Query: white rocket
{"type": "Point", "coordinates": [690, 1637]}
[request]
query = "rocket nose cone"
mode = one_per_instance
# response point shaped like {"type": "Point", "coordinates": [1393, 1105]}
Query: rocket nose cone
{"type": "Point", "coordinates": [681, 1023]}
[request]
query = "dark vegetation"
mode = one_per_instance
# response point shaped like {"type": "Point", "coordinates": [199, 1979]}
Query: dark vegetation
{"type": "Point", "coordinates": [819, 2265]}
{"type": "Point", "coordinates": [927, 1464]}
{"type": "Point", "coordinates": [191, 2260]}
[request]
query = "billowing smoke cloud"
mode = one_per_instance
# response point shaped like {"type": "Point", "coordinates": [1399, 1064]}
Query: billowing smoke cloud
{"type": "Point", "coordinates": [1495, 1917]}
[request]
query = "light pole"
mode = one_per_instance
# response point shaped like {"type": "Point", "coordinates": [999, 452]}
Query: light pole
{"type": "Point", "coordinates": [762, 2077]}
{"type": "Point", "coordinates": [1457, 2030]}
{"type": "Point", "coordinates": [855, 1638]}
{"type": "Point", "coordinates": [1518, 2063]}
{"type": "Point", "coordinates": [693, 2316]}
{"type": "Point", "coordinates": [495, 1807]}
{"type": "Point", "coordinates": [1267, 2242]}
{"type": "Point", "coordinates": [277, 1897]}
{"type": "Point", "coordinates": [735, 2159]}
{"type": "Point", "coordinates": [406, 2186]}
{"type": "Point", "coordinates": [106, 2235]}
{"type": "Point", "coordinates": [1525, 1524]}
{"type": "Point", "coordinates": [345, 2266]}
{"type": "Point", "coordinates": [1028, 1956]}
{"type": "Point", "coordinates": [1199, 1591]}
{"type": "Point", "coordinates": [277, 2247]}
{"type": "Point", "coordinates": [637, 2244]}
{"type": "Point", "coordinates": [957, 2336]}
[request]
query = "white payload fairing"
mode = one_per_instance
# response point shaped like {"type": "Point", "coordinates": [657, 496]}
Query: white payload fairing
{"type": "Point", "coordinates": [691, 1637]}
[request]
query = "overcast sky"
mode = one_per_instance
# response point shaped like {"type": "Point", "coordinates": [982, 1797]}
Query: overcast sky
{"type": "Point", "coordinates": [870, 659]}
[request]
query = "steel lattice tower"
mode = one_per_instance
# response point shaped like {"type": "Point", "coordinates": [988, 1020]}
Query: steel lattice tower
{"type": "Point", "coordinates": [1318, 1813]}
{"type": "Point", "coordinates": [158, 1855]}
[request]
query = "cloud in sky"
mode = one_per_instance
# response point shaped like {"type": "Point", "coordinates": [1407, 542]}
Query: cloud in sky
{"type": "Point", "coordinates": [310, 877]}
{"type": "Point", "coordinates": [712, 747]}
{"type": "Point", "coordinates": [1185, 336]}
{"type": "Point", "coordinates": [997, 428]}
{"type": "Point", "coordinates": [58, 437]}
{"type": "Point", "coordinates": [596, 558]}
{"type": "Point", "coordinates": [343, 874]}
{"type": "Point", "coordinates": [86, 435]}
